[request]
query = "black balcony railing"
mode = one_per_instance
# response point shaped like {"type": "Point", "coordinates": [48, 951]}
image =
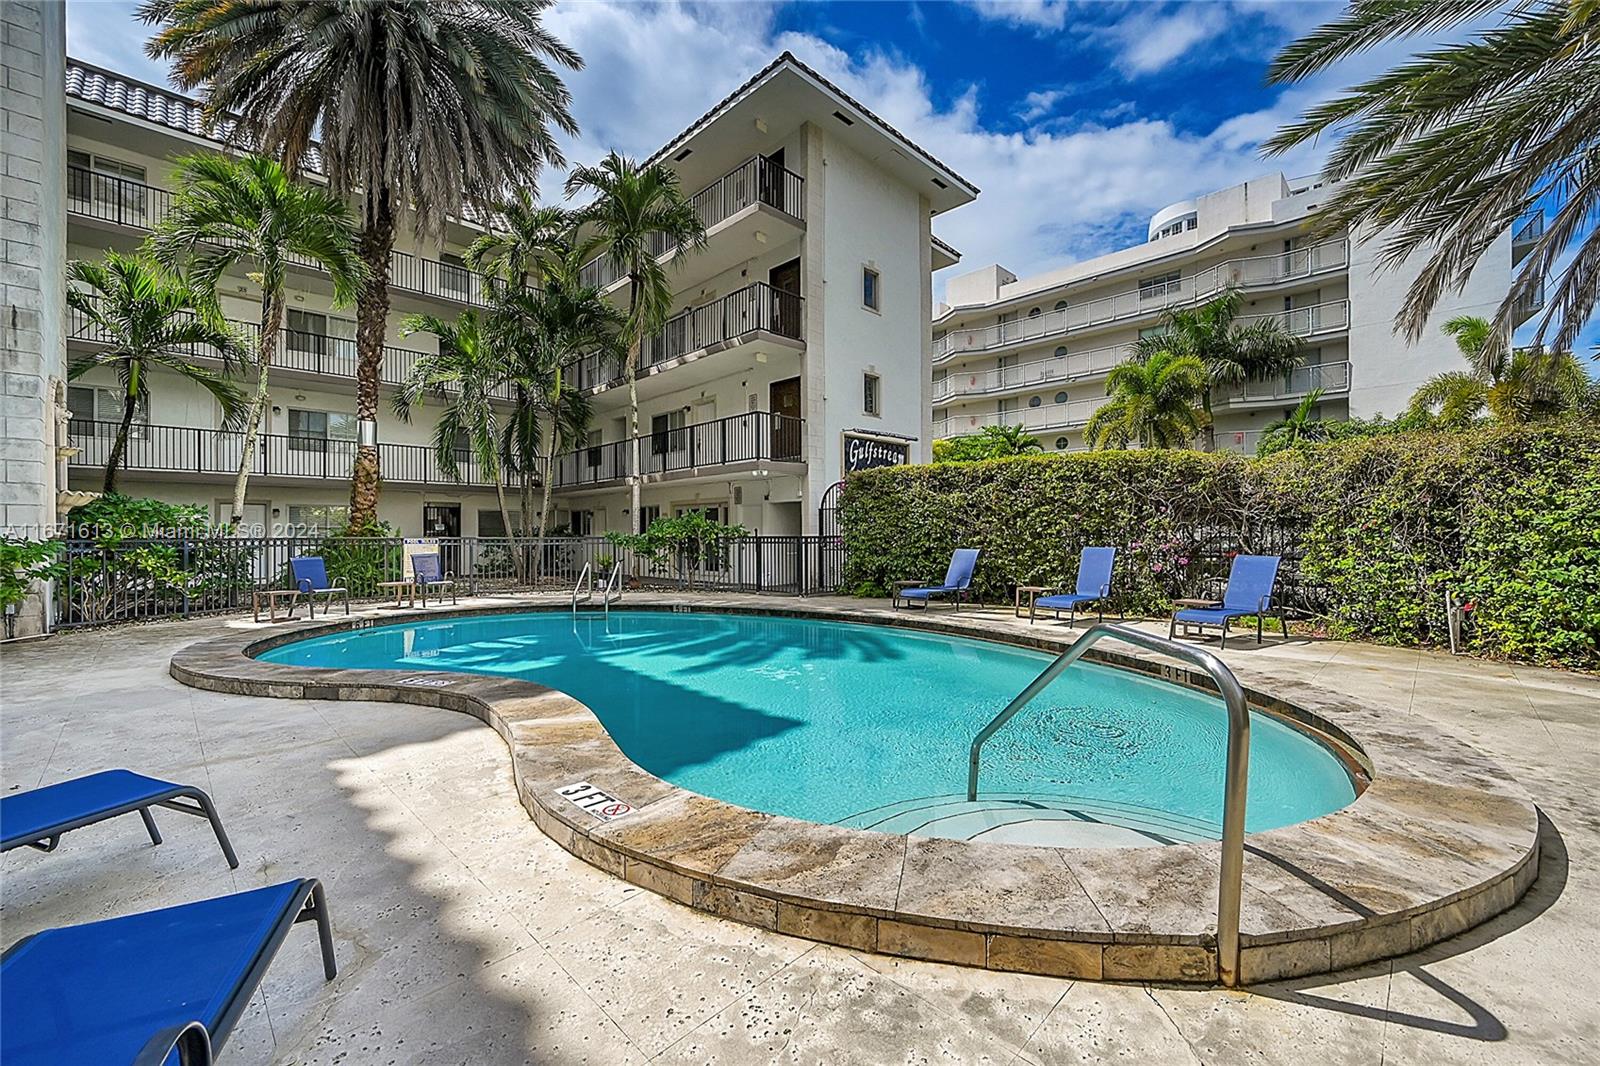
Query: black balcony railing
{"type": "Point", "coordinates": [758, 307]}
{"type": "Point", "coordinates": [757, 180]}
{"type": "Point", "coordinates": [140, 206]}
{"type": "Point", "coordinates": [309, 353]}
{"type": "Point", "coordinates": [758, 436]}
{"type": "Point", "coordinates": [192, 450]}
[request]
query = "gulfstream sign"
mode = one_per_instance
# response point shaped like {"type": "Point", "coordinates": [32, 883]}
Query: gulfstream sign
{"type": "Point", "coordinates": [868, 453]}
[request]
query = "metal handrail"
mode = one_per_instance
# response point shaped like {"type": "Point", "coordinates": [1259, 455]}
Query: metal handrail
{"type": "Point", "coordinates": [586, 575]}
{"type": "Point", "coordinates": [1231, 884]}
{"type": "Point", "coordinates": [613, 587]}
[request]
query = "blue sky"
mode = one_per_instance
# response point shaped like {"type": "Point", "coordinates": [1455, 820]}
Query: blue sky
{"type": "Point", "coordinates": [1078, 120]}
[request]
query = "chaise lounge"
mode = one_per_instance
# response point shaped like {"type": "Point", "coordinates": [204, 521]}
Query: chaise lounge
{"type": "Point", "coordinates": [151, 989]}
{"type": "Point", "coordinates": [38, 818]}
{"type": "Point", "coordinates": [1094, 585]}
{"type": "Point", "coordinates": [1249, 592]}
{"type": "Point", "coordinates": [957, 582]}
{"type": "Point", "coordinates": [310, 576]}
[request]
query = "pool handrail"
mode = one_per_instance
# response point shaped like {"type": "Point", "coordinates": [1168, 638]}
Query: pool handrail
{"type": "Point", "coordinates": [613, 587]}
{"type": "Point", "coordinates": [587, 576]}
{"type": "Point", "coordinates": [1231, 884]}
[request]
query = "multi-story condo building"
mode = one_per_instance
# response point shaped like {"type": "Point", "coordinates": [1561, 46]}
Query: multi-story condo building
{"type": "Point", "coordinates": [1035, 351]}
{"type": "Point", "coordinates": [799, 344]}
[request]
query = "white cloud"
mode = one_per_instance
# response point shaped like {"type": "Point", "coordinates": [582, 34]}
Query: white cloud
{"type": "Point", "coordinates": [1039, 104]}
{"type": "Point", "coordinates": [1151, 40]}
{"type": "Point", "coordinates": [1034, 14]}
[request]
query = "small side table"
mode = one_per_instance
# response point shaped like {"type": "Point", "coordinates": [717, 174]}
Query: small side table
{"type": "Point", "coordinates": [403, 590]}
{"type": "Point", "coordinates": [272, 596]}
{"type": "Point", "coordinates": [1033, 592]}
{"type": "Point", "coordinates": [1178, 605]}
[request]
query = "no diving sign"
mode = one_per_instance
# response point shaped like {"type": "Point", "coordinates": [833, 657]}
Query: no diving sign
{"type": "Point", "coordinates": [598, 802]}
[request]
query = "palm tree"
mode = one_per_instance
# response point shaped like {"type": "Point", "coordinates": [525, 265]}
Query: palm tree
{"type": "Point", "coordinates": [527, 240]}
{"type": "Point", "coordinates": [1524, 385]}
{"type": "Point", "coordinates": [422, 106]}
{"type": "Point", "coordinates": [1298, 425]}
{"type": "Point", "coordinates": [466, 374]}
{"type": "Point", "coordinates": [1009, 440]}
{"type": "Point", "coordinates": [1452, 148]}
{"type": "Point", "coordinates": [1154, 403]}
{"type": "Point", "coordinates": [635, 209]}
{"type": "Point", "coordinates": [551, 329]}
{"type": "Point", "coordinates": [1232, 353]}
{"type": "Point", "coordinates": [150, 319]}
{"type": "Point", "coordinates": [231, 211]}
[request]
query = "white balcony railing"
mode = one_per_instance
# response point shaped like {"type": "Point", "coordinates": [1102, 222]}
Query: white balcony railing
{"type": "Point", "coordinates": [1245, 272]}
{"type": "Point", "coordinates": [1331, 378]}
{"type": "Point", "coordinates": [1038, 372]}
{"type": "Point", "coordinates": [1239, 441]}
{"type": "Point", "coordinates": [1313, 320]}
{"type": "Point", "coordinates": [1045, 417]}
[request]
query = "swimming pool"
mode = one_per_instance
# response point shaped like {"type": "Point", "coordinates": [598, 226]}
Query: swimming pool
{"type": "Point", "coordinates": [870, 726]}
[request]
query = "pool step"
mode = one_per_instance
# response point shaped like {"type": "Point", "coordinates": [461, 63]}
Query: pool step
{"type": "Point", "coordinates": [1050, 821]}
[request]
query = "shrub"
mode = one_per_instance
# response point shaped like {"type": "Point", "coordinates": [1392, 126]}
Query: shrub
{"type": "Point", "coordinates": [1373, 530]}
{"type": "Point", "coordinates": [360, 558]}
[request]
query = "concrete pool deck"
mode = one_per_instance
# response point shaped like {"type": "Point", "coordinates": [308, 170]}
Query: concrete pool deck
{"type": "Point", "coordinates": [466, 935]}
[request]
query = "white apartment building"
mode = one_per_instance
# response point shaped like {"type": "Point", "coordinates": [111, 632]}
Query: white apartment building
{"type": "Point", "coordinates": [800, 342]}
{"type": "Point", "coordinates": [1035, 351]}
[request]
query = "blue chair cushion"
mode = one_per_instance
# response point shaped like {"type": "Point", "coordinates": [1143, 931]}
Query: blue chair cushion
{"type": "Point", "coordinates": [97, 993]}
{"type": "Point", "coordinates": [310, 573]}
{"type": "Point", "coordinates": [1210, 616]}
{"type": "Point", "coordinates": [31, 815]}
{"type": "Point", "coordinates": [1064, 600]}
{"type": "Point", "coordinates": [922, 594]}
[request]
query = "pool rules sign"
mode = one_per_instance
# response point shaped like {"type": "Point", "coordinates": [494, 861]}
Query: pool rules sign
{"type": "Point", "coordinates": [596, 801]}
{"type": "Point", "coordinates": [862, 452]}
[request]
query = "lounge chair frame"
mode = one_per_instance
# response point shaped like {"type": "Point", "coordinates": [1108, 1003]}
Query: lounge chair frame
{"type": "Point", "coordinates": [445, 580]}
{"type": "Point", "coordinates": [304, 586]}
{"type": "Point", "coordinates": [172, 799]}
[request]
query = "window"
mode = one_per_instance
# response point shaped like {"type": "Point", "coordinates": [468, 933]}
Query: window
{"type": "Point", "coordinates": [317, 517]}
{"type": "Point", "coordinates": [1061, 397]}
{"type": "Point", "coordinates": [871, 398]}
{"type": "Point", "coordinates": [98, 411]}
{"type": "Point", "coordinates": [1061, 444]}
{"type": "Point", "coordinates": [317, 335]}
{"type": "Point", "coordinates": [1192, 223]}
{"type": "Point", "coordinates": [667, 432]}
{"type": "Point", "coordinates": [490, 524]}
{"type": "Point", "coordinates": [1034, 401]}
{"type": "Point", "coordinates": [648, 515]}
{"type": "Point", "coordinates": [1035, 312]}
{"type": "Point", "coordinates": [105, 188]}
{"type": "Point", "coordinates": [583, 523]}
{"type": "Point", "coordinates": [1159, 286]}
{"type": "Point", "coordinates": [454, 277]}
{"type": "Point", "coordinates": [869, 289]}
{"type": "Point", "coordinates": [1061, 352]}
{"type": "Point", "coordinates": [1061, 305]}
{"type": "Point", "coordinates": [310, 431]}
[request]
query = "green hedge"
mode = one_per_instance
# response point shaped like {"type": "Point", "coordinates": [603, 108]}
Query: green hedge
{"type": "Point", "coordinates": [1374, 530]}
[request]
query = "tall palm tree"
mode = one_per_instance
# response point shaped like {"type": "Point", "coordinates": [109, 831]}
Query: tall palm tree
{"type": "Point", "coordinates": [1009, 440]}
{"type": "Point", "coordinates": [228, 212]}
{"type": "Point", "coordinates": [1524, 385]}
{"type": "Point", "coordinates": [465, 376]}
{"type": "Point", "coordinates": [636, 208]}
{"type": "Point", "coordinates": [150, 319]}
{"type": "Point", "coordinates": [1298, 425]}
{"type": "Point", "coordinates": [528, 239]}
{"type": "Point", "coordinates": [1154, 403]}
{"type": "Point", "coordinates": [1450, 149]}
{"type": "Point", "coordinates": [1233, 353]}
{"type": "Point", "coordinates": [424, 106]}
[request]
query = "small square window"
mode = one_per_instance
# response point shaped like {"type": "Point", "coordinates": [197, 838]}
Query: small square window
{"type": "Point", "coordinates": [871, 397]}
{"type": "Point", "coordinates": [869, 289]}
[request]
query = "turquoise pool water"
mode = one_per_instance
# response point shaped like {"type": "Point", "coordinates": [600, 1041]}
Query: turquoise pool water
{"type": "Point", "coordinates": [826, 720]}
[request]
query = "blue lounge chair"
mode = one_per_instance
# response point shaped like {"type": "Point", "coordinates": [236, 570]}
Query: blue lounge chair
{"type": "Point", "coordinates": [38, 817]}
{"type": "Point", "coordinates": [1094, 585]}
{"type": "Point", "coordinates": [957, 582]}
{"type": "Point", "coordinates": [154, 989]}
{"type": "Point", "coordinates": [429, 573]}
{"type": "Point", "coordinates": [310, 576]}
{"type": "Point", "coordinates": [1249, 592]}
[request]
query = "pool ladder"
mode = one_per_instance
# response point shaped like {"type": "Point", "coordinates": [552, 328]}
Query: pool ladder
{"type": "Point", "coordinates": [609, 592]}
{"type": "Point", "coordinates": [1231, 883]}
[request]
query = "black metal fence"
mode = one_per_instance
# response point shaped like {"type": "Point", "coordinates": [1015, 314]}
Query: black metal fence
{"type": "Point", "coordinates": [146, 579]}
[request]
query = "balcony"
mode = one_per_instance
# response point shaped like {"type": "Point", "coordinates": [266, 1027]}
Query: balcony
{"type": "Point", "coordinates": [1314, 320]}
{"type": "Point", "coordinates": [298, 352]}
{"type": "Point", "coordinates": [1238, 441]}
{"type": "Point", "coordinates": [717, 448]}
{"type": "Point", "coordinates": [184, 452]}
{"type": "Point", "coordinates": [755, 183]}
{"type": "Point", "coordinates": [1250, 272]}
{"type": "Point", "coordinates": [748, 315]}
{"type": "Point", "coordinates": [1038, 373]}
{"type": "Point", "coordinates": [1331, 378]}
{"type": "Point", "coordinates": [1044, 418]}
{"type": "Point", "coordinates": [1526, 236]}
{"type": "Point", "coordinates": [134, 205]}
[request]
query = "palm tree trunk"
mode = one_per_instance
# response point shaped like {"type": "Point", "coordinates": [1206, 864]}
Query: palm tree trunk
{"type": "Point", "coordinates": [271, 318]}
{"type": "Point", "coordinates": [630, 371]}
{"type": "Point", "coordinates": [505, 518]}
{"type": "Point", "coordinates": [372, 322]}
{"type": "Point", "coordinates": [1211, 426]}
{"type": "Point", "coordinates": [119, 447]}
{"type": "Point", "coordinates": [544, 506]}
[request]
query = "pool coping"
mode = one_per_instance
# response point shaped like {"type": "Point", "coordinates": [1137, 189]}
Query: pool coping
{"type": "Point", "coordinates": [1440, 840]}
